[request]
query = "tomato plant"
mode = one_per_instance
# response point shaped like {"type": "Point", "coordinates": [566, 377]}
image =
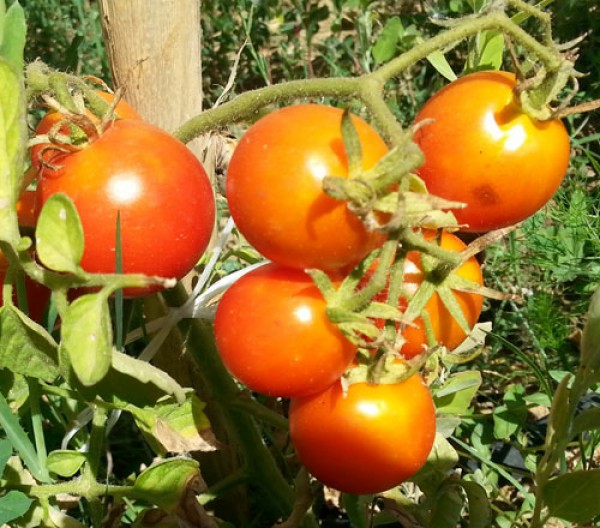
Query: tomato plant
{"type": "Point", "coordinates": [275, 195]}
{"type": "Point", "coordinates": [157, 187]}
{"type": "Point", "coordinates": [483, 150]}
{"type": "Point", "coordinates": [367, 441]}
{"type": "Point", "coordinates": [446, 330]}
{"type": "Point", "coordinates": [273, 334]}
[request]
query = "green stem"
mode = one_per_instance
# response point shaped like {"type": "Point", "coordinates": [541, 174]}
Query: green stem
{"type": "Point", "coordinates": [92, 467]}
{"type": "Point", "coordinates": [246, 105]}
{"type": "Point", "coordinates": [37, 423]}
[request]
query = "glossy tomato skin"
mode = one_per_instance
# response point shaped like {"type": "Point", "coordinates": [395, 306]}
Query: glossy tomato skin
{"type": "Point", "coordinates": [274, 336]}
{"type": "Point", "coordinates": [482, 150]}
{"type": "Point", "coordinates": [274, 188]}
{"type": "Point", "coordinates": [158, 187]}
{"type": "Point", "coordinates": [368, 441]}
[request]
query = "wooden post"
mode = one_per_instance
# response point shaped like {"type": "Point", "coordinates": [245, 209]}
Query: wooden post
{"type": "Point", "coordinates": [154, 52]}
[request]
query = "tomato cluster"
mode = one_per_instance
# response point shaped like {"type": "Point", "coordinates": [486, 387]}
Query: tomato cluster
{"type": "Point", "coordinates": [272, 327]}
{"type": "Point", "coordinates": [144, 177]}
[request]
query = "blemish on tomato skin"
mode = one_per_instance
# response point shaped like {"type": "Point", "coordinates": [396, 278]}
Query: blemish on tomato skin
{"type": "Point", "coordinates": [485, 195]}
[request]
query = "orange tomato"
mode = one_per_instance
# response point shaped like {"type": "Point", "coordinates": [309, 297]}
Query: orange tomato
{"type": "Point", "coordinates": [483, 150]}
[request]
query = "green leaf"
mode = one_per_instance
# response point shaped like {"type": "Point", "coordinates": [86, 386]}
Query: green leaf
{"type": "Point", "coordinates": [590, 339]}
{"type": "Point", "coordinates": [13, 140]}
{"type": "Point", "coordinates": [12, 39]}
{"type": "Point", "coordinates": [147, 373]}
{"type": "Point", "coordinates": [385, 46]}
{"type": "Point", "coordinates": [438, 60]}
{"type": "Point", "coordinates": [510, 417]}
{"type": "Point", "coordinates": [480, 511]}
{"type": "Point", "coordinates": [59, 235]}
{"type": "Point", "coordinates": [20, 441]}
{"type": "Point", "coordinates": [441, 460]}
{"type": "Point", "coordinates": [87, 337]}
{"type": "Point", "coordinates": [6, 450]}
{"type": "Point", "coordinates": [165, 483]}
{"type": "Point", "coordinates": [587, 420]}
{"type": "Point", "coordinates": [171, 427]}
{"type": "Point", "coordinates": [26, 347]}
{"type": "Point", "coordinates": [13, 505]}
{"type": "Point", "coordinates": [447, 507]}
{"type": "Point", "coordinates": [455, 396]}
{"type": "Point", "coordinates": [491, 50]}
{"type": "Point", "coordinates": [574, 496]}
{"type": "Point", "coordinates": [65, 463]}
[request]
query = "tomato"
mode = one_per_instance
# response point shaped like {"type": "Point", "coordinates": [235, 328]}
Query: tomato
{"type": "Point", "coordinates": [367, 441]}
{"type": "Point", "coordinates": [274, 336]}
{"type": "Point", "coordinates": [446, 330]}
{"type": "Point", "coordinates": [160, 189]}
{"type": "Point", "coordinates": [123, 110]}
{"type": "Point", "coordinates": [26, 208]}
{"type": "Point", "coordinates": [483, 150]}
{"type": "Point", "coordinates": [275, 195]}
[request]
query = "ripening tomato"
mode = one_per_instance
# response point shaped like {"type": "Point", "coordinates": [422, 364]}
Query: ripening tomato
{"type": "Point", "coordinates": [275, 195]}
{"type": "Point", "coordinates": [446, 330]}
{"type": "Point", "coordinates": [158, 186]}
{"type": "Point", "coordinates": [274, 336]}
{"type": "Point", "coordinates": [367, 441]}
{"type": "Point", "coordinates": [483, 150]}
{"type": "Point", "coordinates": [123, 110]}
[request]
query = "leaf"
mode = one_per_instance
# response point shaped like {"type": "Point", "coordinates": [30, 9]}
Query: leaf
{"type": "Point", "coordinates": [26, 348]}
{"type": "Point", "coordinates": [447, 507]}
{"type": "Point", "coordinates": [574, 496]}
{"type": "Point", "coordinates": [438, 60]}
{"type": "Point", "coordinates": [455, 396]}
{"type": "Point", "coordinates": [147, 373]}
{"type": "Point", "coordinates": [480, 511]}
{"type": "Point", "coordinates": [59, 235]}
{"type": "Point", "coordinates": [491, 50]}
{"type": "Point", "coordinates": [12, 39]}
{"type": "Point", "coordinates": [509, 417]}
{"type": "Point", "coordinates": [87, 337]}
{"type": "Point", "coordinates": [171, 427]}
{"type": "Point", "coordinates": [6, 450]}
{"type": "Point", "coordinates": [20, 440]}
{"type": "Point", "coordinates": [442, 458]}
{"type": "Point", "coordinates": [13, 505]}
{"type": "Point", "coordinates": [590, 339]}
{"type": "Point", "coordinates": [165, 483]}
{"type": "Point", "coordinates": [587, 420]}
{"type": "Point", "coordinates": [65, 463]}
{"type": "Point", "coordinates": [385, 46]}
{"type": "Point", "coordinates": [13, 138]}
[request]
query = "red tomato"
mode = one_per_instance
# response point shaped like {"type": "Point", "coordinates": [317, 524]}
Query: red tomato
{"type": "Point", "coordinates": [446, 330]}
{"type": "Point", "coordinates": [275, 195]}
{"type": "Point", "coordinates": [483, 150]}
{"type": "Point", "coordinates": [123, 110]}
{"type": "Point", "coordinates": [367, 441]}
{"type": "Point", "coordinates": [160, 189]}
{"type": "Point", "coordinates": [273, 334]}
